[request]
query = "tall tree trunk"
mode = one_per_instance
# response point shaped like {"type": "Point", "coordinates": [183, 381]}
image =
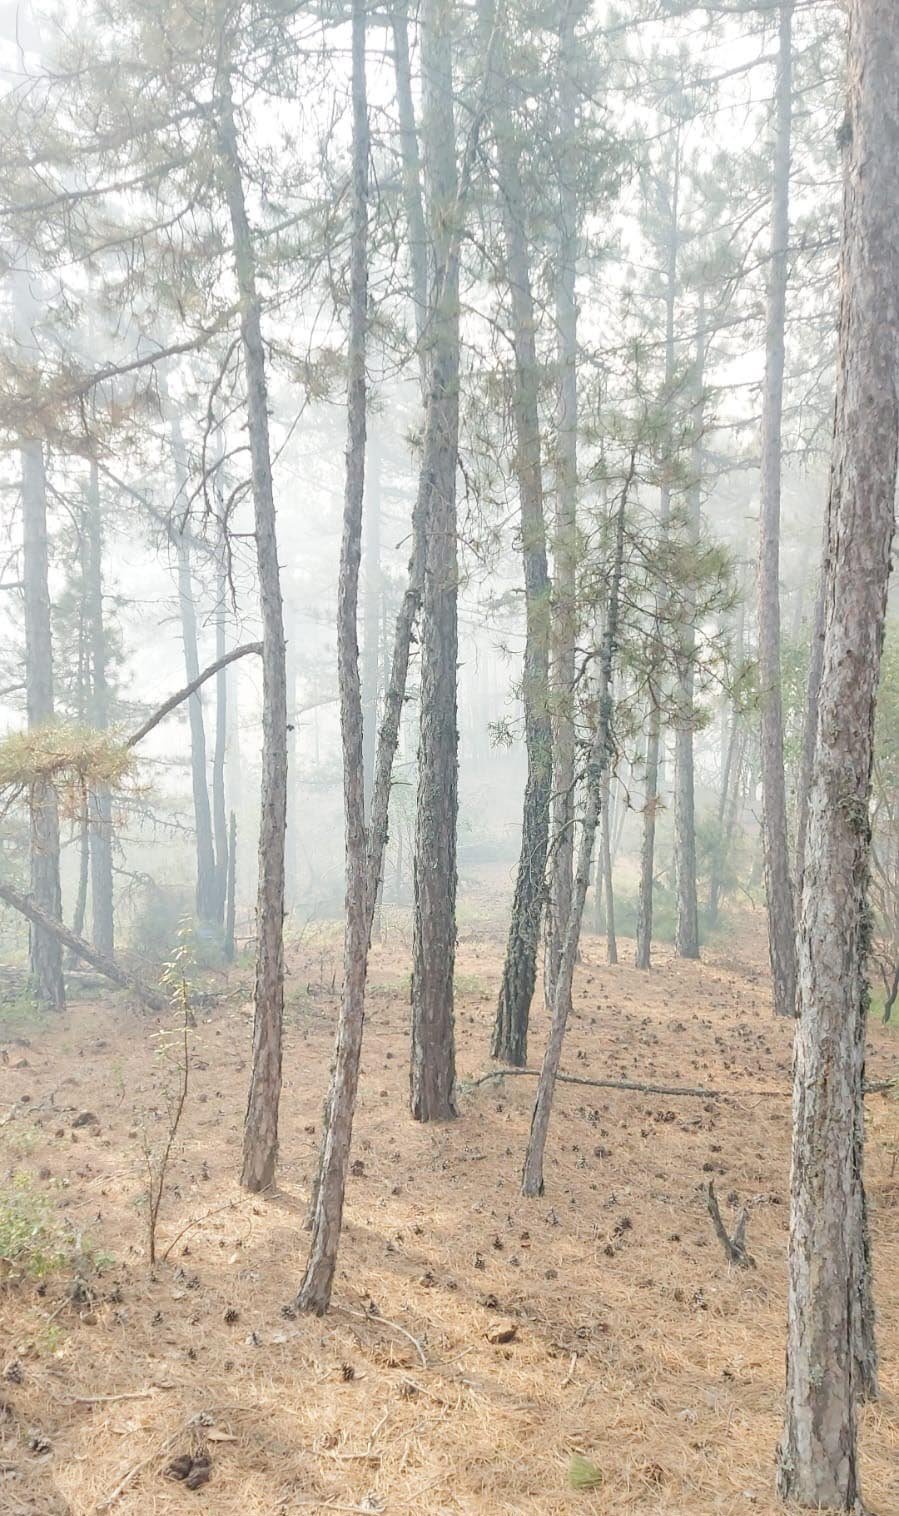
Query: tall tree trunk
{"type": "Point", "coordinates": [654, 751]}
{"type": "Point", "coordinates": [510, 1030]}
{"type": "Point", "coordinates": [103, 925]}
{"type": "Point", "coordinates": [433, 1066]}
{"type": "Point", "coordinates": [45, 954]}
{"type": "Point", "coordinates": [371, 634]}
{"type": "Point", "coordinates": [686, 935]}
{"type": "Point", "coordinates": [205, 885]}
{"type": "Point", "coordinates": [565, 534]}
{"type": "Point", "coordinates": [830, 1352]}
{"type": "Point", "coordinates": [778, 885]}
{"type": "Point", "coordinates": [597, 768]}
{"type": "Point", "coordinates": [260, 1141]}
{"type": "Point", "coordinates": [315, 1291]}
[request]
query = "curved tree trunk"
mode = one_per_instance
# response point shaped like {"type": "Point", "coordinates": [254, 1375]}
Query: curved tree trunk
{"type": "Point", "coordinates": [830, 1352]}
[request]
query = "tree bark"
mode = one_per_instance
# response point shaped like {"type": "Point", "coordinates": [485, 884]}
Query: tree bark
{"type": "Point", "coordinates": [597, 768]}
{"type": "Point", "coordinates": [520, 967]}
{"type": "Point", "coordinates": [432, 1066]}
{"type": "Point", "coordinates": [778, 885]}
{"type": "Point", "coordinates": [260, 1144]}
{"type": "Point", "coordinates": [830, 1353]}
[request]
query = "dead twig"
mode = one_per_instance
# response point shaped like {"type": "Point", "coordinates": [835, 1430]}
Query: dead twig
{"type": "Point", "coordinates": [734, 1247]}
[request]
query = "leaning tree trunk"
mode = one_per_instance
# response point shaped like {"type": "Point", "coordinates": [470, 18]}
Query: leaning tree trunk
{"type": "Point", "coordinates": [597, 768]}
{"type": "Point", "coordinates": [778, 885]}
{"type": "Point", "coordinates": [45, 954]}
{"type": "Point", "coordinates": [103, 927]}
{"type": "Point", "coordinates": [260, 1140]}
{"type": "Point", "coordinates": [686, 933]}
{"type": "Point", "coordinates": [510, 1030]}
{"type": "Point", "coordinates": [315, 1291]}
{"type": "Point", "coordinates": [433, 1064]}
{"type": "Point", "coordinates": [830, 1352]}
{"type": "Point", "coordinates": [565, 532]}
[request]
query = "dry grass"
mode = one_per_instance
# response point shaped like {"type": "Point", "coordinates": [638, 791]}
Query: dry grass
{"type": "Point", "coordinates": [636, 1345]}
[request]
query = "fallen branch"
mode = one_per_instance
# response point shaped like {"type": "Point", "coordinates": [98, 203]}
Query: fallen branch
{"type": "Point", "coordinates": [108, 967]}
{"type": "Point", "coordinates": [189, 689]}
{"type": "Point", "coordinates": [697, 1092]}
{"type": "Point", "coordinates": [384, 1321]}
{"type": "Point", "coordinates": [734, 1247]}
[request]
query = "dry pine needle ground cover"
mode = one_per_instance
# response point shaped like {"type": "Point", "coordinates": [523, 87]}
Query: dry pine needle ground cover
{"type": "Point", "coordinates": [629, 1338]}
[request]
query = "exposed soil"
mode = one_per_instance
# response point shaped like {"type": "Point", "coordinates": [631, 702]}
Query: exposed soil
{"type": "Point", "coordinates": [602, 1320]}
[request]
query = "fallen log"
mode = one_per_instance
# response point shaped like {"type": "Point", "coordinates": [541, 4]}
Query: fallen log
{"type": "Point", "coordinates": [108, 967]}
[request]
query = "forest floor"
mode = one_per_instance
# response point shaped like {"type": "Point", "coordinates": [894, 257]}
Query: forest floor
{"type": "Point", "coordinates": [635, 1343]}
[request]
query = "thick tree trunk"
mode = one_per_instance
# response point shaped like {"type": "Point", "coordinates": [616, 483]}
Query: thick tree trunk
{"type": "Point", "coordinates": [565, 533]}
{"type": "Point", "coordinates": [830, 1354]}
{"type": "Point", "coordinates": [432, 1070]}
{"type": "Point", "coordinates": [778, 885]}
{"type": "Point", "coordinates": [597, 769]}
{"type": "Point", "coordinates": [686, 933]}
{"type": "Point", "coordinates": [103, 926]}
{"type": "Point", "coordinates": [520, 967]}
{"type": "Point", "coordinates": [315, 1291]}
{"type": "Point", "coordinates": [260, 1144]}
{"type": "Point", "coordinates": [45, 955]}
